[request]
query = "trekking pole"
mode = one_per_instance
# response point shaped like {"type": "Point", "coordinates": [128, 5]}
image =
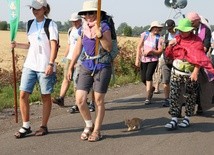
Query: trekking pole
{"type": "Point", "coordinates": [15, 88]}
{"type": "Point", "coordinates": [98, 24]}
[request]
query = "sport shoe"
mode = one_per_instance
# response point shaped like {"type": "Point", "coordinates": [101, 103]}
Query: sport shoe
{"type": "Point", "coordinates": [59, 101]}
{"type": "Point", "coordinates": [91, 106]}
{"type": "Point", "coordinates": [147, 102]}
{"type": "Point", "coordinates": [73, 109]}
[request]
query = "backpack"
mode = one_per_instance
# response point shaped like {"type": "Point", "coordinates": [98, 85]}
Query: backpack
{"type": "Point", "coordinates": [108, 57]}
{"type": "Point", "coordinates": [157, 37]}
{"type": "Point", "coordinates": [46, 26]}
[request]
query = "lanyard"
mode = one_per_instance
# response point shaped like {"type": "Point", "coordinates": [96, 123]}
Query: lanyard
{"type": "Point", "coordinates": [39, 29]}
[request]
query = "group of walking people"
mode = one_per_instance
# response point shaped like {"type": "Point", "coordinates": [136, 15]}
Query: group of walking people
{"type": "Point", "coordinates": [88, 74]}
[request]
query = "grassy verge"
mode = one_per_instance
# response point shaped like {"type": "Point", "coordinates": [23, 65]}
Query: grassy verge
{"type": "Point", "coordinates": [124, 72]}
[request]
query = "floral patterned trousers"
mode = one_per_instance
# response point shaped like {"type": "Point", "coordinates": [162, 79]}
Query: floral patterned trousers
{"type": "Point", "coordinates": [191, 87]}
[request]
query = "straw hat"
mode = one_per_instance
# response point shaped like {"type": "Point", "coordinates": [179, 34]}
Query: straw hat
{"type": "Point", "coordinates": [38, 4]}
{"type": "Point", "coordinates": [155, 24]}
{"type": "Point", "coordinates": [89, 6]}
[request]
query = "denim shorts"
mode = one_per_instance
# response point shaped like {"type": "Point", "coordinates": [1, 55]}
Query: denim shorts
{"type": "Point", "coordinates": [30, 77]}
{"type": "Point", "coordinates": [99, 81]}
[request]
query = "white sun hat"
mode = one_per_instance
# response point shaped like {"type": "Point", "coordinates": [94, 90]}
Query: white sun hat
{"type": "Point", "coordinates": [155, 24]}
{"type": "Point", "coordinates": [38, 4]}
{"type": "Point", "coordinates": [75, 17]}
{"type": "Point", "coordinates": [89, 6]}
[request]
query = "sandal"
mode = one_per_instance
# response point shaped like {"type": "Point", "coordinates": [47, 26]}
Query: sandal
{"type": "Point", "coordinates": [86, 132]}
{"type": "Point", "coordinates": [171, 125]}
{"type": "Point", "coordinates": [43, 130]}
{"type": "Point", "coordinates": [22, 135]}
{"type": "Point", "coordinates": [95, 136]}
{"type": "Point", "coordinates": [184, 124]}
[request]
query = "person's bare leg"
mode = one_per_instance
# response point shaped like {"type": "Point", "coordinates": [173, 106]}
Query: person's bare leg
{"type": "Point", "coordinates": [166, 88]}
{"type": "Point", "coordinates": [100, 110]}
{"type": "Point", "coordinates": [81, 98]}
{"type": "Point", "coordinates": [47, 105]}
{"type": "Point", "coordinates": [24, 106]}
{"type": "Point", "coordinates": [149, 89]}
{"type": "Point", "coordinates": [64, 87]}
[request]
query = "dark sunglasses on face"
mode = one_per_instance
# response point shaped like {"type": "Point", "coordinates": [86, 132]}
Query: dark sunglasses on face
{"type": "Point", "coordinates": [89, 13]}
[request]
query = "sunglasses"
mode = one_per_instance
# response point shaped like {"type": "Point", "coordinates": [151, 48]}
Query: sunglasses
{"type": "Point", "coordinates": [89, 13]}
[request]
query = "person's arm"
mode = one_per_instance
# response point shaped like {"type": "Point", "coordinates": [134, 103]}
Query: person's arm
{"type": "Point", "coordinates": [76, 54]}
{"type": "Point", "coordinates": [194, 75]}
{"type": "Point", "coordinates": [139, 52]}
{"type": "Point", "coordinates": [105, 38]}
{"type": "Point", "coordinates": [49, 69]}
{"type": "Point", "coordinates": [14, 44]}
{"type": "Point", "coordinates": [158, 51]}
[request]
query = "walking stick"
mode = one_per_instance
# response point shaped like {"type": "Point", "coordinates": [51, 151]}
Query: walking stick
{"type": "Point", "coordinates": [98, 24]}
{"type": "Point", "coordinates": [15, 88]}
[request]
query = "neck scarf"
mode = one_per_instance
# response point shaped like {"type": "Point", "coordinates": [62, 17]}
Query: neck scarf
{"type": "Point", "coordinates": [89, 29]}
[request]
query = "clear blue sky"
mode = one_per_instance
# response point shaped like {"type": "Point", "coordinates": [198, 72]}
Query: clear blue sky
{"type": "Point", "coordinates": [133, 12]}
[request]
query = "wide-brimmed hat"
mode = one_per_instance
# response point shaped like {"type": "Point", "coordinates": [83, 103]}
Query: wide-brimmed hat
{"type": "Point", "coordinates": [155, 24]}
{"type": "Point", "coordinates": [193, 16]}
{"type": "Point", "coordinates": [184, 25]}
{"type": "Point", "coordinates": [38, 4]}
{"type": "Point", "coordinates": [75, 17]}
{"type": "Point", "coordinates": [169, 24]}
{"type": "Point", "coordinates": [89, 6]}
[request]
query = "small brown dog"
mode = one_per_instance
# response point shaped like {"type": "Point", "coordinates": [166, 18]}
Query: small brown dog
{"type": "Point", "coordinates": [133, 124]}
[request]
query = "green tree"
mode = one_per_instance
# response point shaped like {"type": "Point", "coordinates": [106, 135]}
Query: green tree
{"type": "Point", "coordinates": [120, 29]}
{"type": "Point", "coordinates": [127, 31]}
{"type": "Point", "coordinates": [22, 25]}
{"type": "Point", "coordinates": [136, 31]}
{"type": "Point", "coordinates": [3, 25]}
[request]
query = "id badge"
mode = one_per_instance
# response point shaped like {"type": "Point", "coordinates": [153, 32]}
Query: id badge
{"type": "Point", "coordinates": [40, 49]}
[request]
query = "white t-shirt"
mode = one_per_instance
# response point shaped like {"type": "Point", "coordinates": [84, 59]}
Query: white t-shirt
{"type": "Point", "coordinates": [72, 40]}
{"type": "Point", "coordinates": [39, 51]}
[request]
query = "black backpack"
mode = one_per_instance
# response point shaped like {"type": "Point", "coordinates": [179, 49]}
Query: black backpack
{"type": "Point", "coordinates": [109, 57]}
{"type": "Point", "coordinates": [46, 25]}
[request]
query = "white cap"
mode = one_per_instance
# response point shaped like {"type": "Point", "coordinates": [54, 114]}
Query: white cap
{"type": "Point", "coordinates": [38, 4]}
{"type": "Point", "coordinates": [75, 17]}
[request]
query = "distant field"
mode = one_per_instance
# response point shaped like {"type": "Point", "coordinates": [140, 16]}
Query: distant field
{"type": "Point", "coordinates": [5, 58]}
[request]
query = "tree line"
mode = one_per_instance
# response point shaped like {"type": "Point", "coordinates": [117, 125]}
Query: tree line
{"type": "Point", "coordinates": [123, 29]}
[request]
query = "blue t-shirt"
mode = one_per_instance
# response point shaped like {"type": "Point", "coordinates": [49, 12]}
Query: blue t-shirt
{"type": "Point", "coordinates": [89, 46]}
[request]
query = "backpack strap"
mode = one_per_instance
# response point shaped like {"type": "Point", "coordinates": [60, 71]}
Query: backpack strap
{"type": "Point", "coordinates": [29, 23]}
{"type": "Point", "coordinates": [157, 37]}
{"type": "Point", "coordinates": [46, 26]}
{"type": "Point", "coordinates": [146, 35]}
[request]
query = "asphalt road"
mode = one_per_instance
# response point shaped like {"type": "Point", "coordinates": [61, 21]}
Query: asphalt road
{"type": "Point", "coordinates": [152, 139]}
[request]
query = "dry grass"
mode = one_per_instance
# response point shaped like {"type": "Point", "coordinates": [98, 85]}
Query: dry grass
{"type": "Point", "coordinates": [127, 46]}
{"type": "Point", "coordinates": [6, 58]}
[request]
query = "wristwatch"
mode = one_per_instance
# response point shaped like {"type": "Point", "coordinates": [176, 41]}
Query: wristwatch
{"type": "Point", "coordinates": [51, 64]}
